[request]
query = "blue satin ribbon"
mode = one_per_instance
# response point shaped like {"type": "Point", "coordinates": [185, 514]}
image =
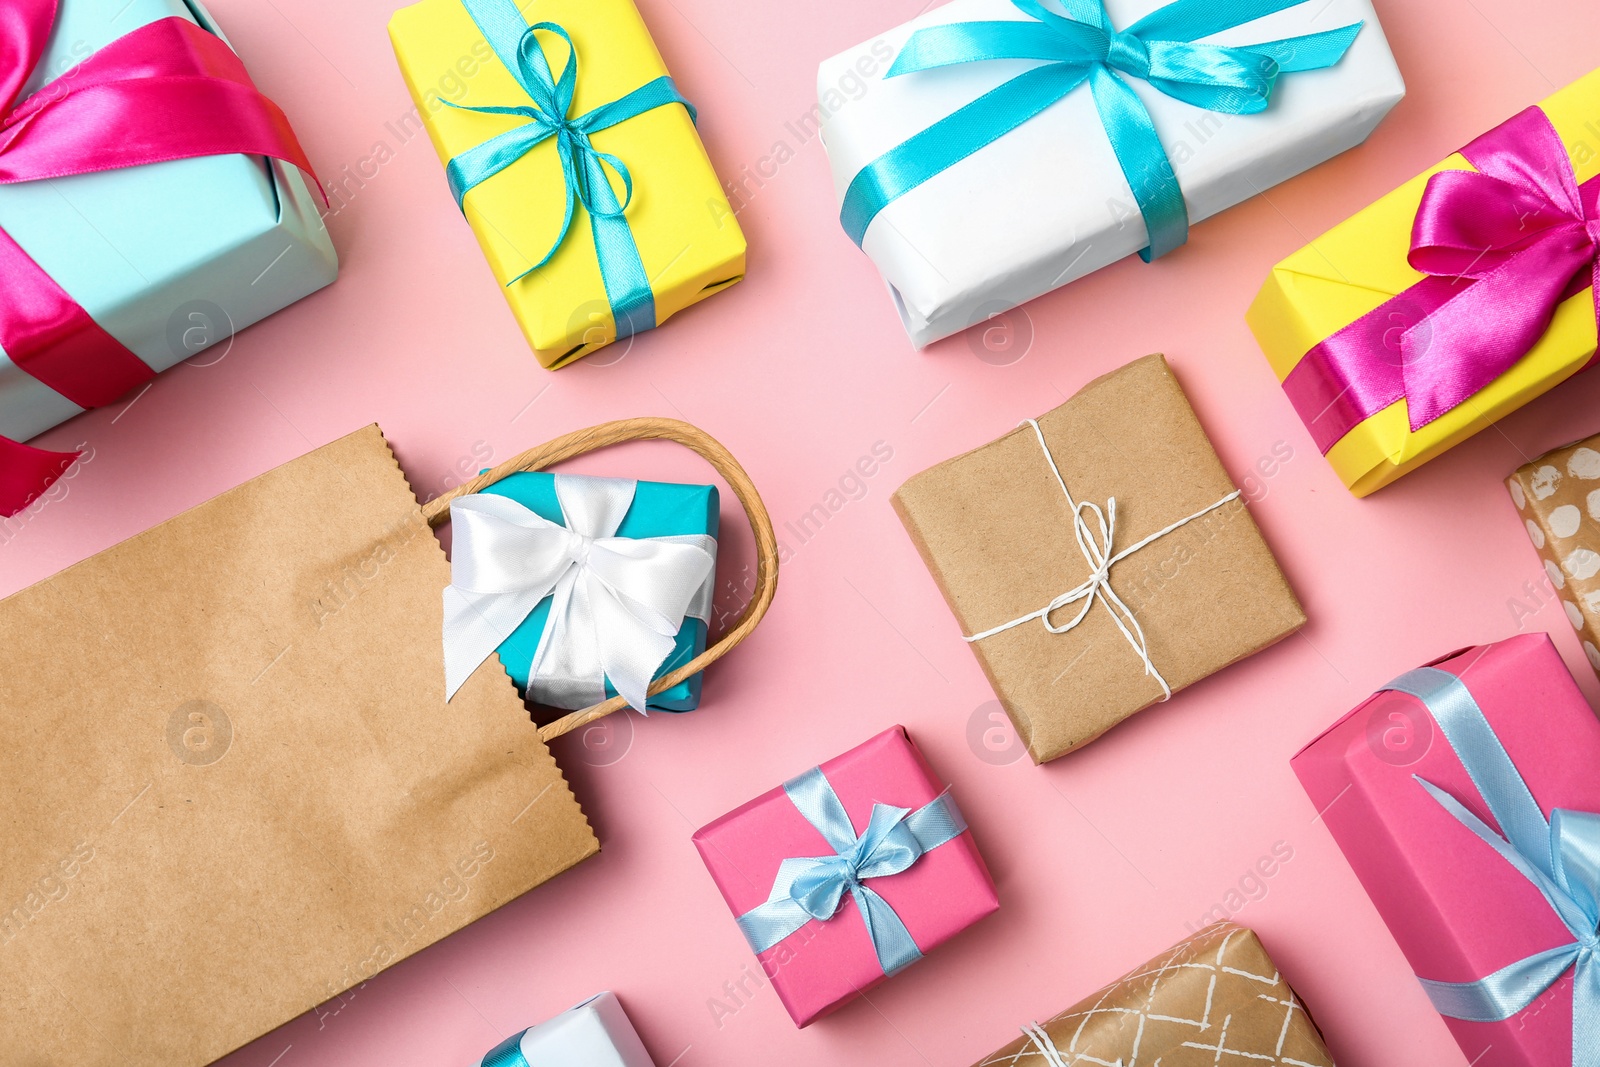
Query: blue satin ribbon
{"type": "Point", "coordinates": [583, 167]}
{"type": "Point", "coordinates": [1560, 857]}
{"type": "Point", "coordinates": [1081, 46]}
{"type": "Point", "coordinates": [813, 887]}
{"type": "Point", "coordinates": [507, 1053]}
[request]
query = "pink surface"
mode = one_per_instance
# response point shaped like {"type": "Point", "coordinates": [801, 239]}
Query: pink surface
{"type": "Point", "coordinates": [823, 965]}
{"type": "Point", "coordinates": [1458, 910]}
{"type": "Point", "coordinates": [1102, 859]}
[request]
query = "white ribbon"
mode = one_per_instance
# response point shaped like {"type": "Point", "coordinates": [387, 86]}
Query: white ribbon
{"type": "Point", "coordinates": [618, 602]}
{"type": "Point", "coordinates": [1098, 585]}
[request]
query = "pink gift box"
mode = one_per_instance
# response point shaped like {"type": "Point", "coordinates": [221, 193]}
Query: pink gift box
{"type": "Point", "coordinates": [1457, 909]}
{"type": "Point", "coordinates": [824, 964]}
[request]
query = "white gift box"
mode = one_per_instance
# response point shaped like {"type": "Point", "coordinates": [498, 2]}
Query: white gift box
{"type": "Point", "coordinates": [1047, 202]}
{"type": "Point", "coordinates": [596, 1033]}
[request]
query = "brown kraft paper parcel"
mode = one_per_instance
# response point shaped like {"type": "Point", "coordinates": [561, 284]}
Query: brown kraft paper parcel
{"type": "Point", "coordinates": [995, 530]}
{"type": "Point", "coordinates": [232, 787]}
{"type": "Point", "coordinates": [1216, 998]}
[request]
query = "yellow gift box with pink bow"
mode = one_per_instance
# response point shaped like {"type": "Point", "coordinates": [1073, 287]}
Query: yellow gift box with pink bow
{"type": "Point", "coordinates": [1448, 303]}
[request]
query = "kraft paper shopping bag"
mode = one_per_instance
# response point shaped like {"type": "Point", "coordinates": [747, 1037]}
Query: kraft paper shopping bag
{"type": "Point", "coordinates": [230, 785]}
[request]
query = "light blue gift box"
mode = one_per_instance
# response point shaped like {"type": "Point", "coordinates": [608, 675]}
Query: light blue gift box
{"type": "Point", "coordinates": [169, 258]}
{"type": "Point", "coordinates": [660, 509]}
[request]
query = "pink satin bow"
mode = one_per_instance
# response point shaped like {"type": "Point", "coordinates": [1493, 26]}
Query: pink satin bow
{"type": "Point", "coordinates": [168, 90]}
{"type": "Point", "coordinates": [1502, 247]}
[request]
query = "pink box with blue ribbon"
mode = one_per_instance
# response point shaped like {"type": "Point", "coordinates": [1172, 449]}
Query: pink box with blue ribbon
{"type": "Point", "coordinates": [1464, 795]}
{"type": "Point", "coordinates": [848, 873]}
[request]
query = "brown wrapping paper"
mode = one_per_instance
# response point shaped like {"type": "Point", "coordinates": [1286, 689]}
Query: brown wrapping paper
{"type": "Point", "coordinates": [1558, 500]}
{"type": "Point", "coordinates": [996, 531]}
{"type": "Point", "coordinates": [1214, 999]}
{"type": "Point", "coordinates": [231, 787]}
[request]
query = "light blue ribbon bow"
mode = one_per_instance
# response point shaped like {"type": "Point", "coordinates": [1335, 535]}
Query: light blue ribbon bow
{"type": "Point", "coordinates": [813, 887]}
{"type": "Point", "coordinates": [583, 167]}
{"type": "Point", "coordinates": [1080, 46]}
{"type": "Point", "coordinates": [1560, 857]}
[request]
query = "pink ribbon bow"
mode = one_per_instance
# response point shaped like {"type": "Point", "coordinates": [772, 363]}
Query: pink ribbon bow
{"type": "Point", "coordinates": [168, 90]}
{"type": "Point", "coordinates": [1502, 246]}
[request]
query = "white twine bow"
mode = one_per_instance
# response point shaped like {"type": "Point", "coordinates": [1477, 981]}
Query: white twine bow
{"type": "Point", "coordinates": [1099, 556]}
{"type": "Point", "coordinates": [617, 602]}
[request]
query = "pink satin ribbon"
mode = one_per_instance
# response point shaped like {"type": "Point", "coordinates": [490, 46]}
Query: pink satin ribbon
{"type": "Point", "coordinates": [168, 90]}
{"type": "Point", "coordinates": [1502, 246]}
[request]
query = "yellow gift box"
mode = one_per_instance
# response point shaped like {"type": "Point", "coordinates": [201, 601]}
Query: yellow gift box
{"type": "Point", "coordinates": [1360, 264]}
{"type": "Point", "coordinates": [688, 239]}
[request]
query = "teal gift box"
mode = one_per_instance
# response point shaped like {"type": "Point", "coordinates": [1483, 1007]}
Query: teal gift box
{"type": "Point", "coordinates": [168, 257]}
{"type": "Point", "coordinates": [660, 509]}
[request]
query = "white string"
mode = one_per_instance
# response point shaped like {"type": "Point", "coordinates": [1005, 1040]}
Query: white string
{"type": "Point", "coordinates": [1098, 584]}
{"type": "Point", "coordinates": [1047, 1048]}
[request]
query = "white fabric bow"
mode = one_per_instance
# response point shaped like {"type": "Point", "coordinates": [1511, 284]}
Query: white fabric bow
{"type": "Point", "coordinates": [618, 602]}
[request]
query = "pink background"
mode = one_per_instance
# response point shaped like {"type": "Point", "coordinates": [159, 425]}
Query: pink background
{"type": "Point", "coordinates": [1101, 859]}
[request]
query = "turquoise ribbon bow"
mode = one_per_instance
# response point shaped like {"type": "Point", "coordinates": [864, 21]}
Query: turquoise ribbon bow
{"type": "Point", "coordinates": [583, 167]}
{"type": "Point", "coordinates": [813, 887]}
{"type": "Point", "coordinates": [1080, 46]}
{"type": "Point", "coordinates": [1559, 856]}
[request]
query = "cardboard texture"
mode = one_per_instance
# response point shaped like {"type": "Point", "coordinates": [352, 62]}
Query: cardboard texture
{"type": "Point", "coordinates": [997, 534]}
{"type": "Point", "coordinates": [232, 787]}
{"type": "Point", "coordinates": [689, 241]}
{"type": "Point", "coordinates": [1216, 998]}
{"type": "Point", "coordinates": [1048, 203]}
{"type": "Point", "coordinates": [1558, 500]}
{"type": "Point", "coordinates": [824, 965]}
{"type": "Point", "coordinates": [1361, 263]}
{"type": "Point", "coordinates": [1456, 908]}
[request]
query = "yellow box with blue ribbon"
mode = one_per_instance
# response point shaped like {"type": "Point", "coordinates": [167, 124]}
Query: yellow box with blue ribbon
{"type": "Point", "coordinates": [575, 160]}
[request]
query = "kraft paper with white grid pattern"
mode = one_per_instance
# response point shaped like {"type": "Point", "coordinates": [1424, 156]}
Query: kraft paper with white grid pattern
{"type": "Point", "coordinates": [1215, 1000]}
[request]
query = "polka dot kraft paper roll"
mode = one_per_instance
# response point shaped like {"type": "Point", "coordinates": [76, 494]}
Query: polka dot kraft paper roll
{"type": "Point", "coordinates": [1558, 499]}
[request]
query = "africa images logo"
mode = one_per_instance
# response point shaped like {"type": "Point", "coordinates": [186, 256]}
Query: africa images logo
{"type": "Point", "coordinates": [49, 888]}
{"type": "Point", "coordinates": [992, 737]}
{"type": "Point", "coordinates": [1398, 734]}
{"type": "Point", "coordinates": [199, 733]}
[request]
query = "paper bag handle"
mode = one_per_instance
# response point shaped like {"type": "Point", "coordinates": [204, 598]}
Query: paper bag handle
{"type": "Point", "coordinates": [437, 512]}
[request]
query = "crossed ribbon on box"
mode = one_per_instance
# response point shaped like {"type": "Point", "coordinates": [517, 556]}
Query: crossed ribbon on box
{"type": "Point", "coordinates": [616, 603]}
{"type": "Point", "coordinates": [1101, 554]}
{"type": "Point", "coordinates": [1501, 247]}
{"type": "Point", "coordinates": [168, 90]}
{"type": "Point", "coordinates": [583, 167]}
{"type": "Point", "coordinates": [813, 887]}
{"type": "Point", "coordinates": [1081, 46]}
{"type": "Point", "coordinates": [1559, 856]}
